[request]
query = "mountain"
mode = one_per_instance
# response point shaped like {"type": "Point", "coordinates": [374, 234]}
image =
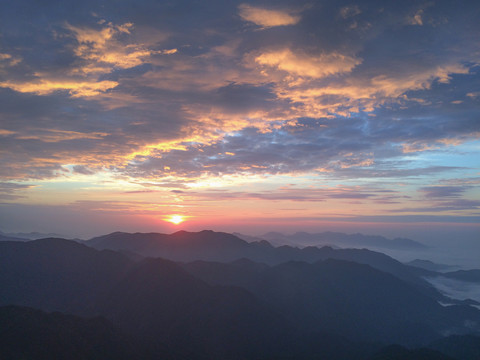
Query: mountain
{"type": "Point", "coordinates": [159, 300]}
{"type": "Point", "coordinates": [155, 300]}
{"type": "Point", "coordinates": [454, 347]}
{"type": "Point", "coordinates": [27, 333]}
{"type": "Point", "coordinates": [429, 265]}
{"type": "Point", "coordinates": [466, 347]}
{"type": "Point", "coordinates": [223, 247]}
{"type": "Point", "coordinates": [274, 238]}
{"type": "Point", "coordinates": [464, 275]}
{"type": "Point", "coordinates": [28, 236]}
{"type": "Point", "coordinates": [179, 246]}
{"type": "Point", "coordinates": [5, 237]}
{"type": "Point", "coordinates": [344, 298]}
{"type": "Point", "coordinates": [397, 352]}
{"type": "Point", "coordinates": [57, 274]}
{"type": "Point", "coordinates": [333, 309]}
{"type": "Point", "coordinates": [342, 240]}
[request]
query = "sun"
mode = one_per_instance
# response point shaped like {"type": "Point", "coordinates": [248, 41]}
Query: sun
{"type": "Point", "coordinates": [175, 219]}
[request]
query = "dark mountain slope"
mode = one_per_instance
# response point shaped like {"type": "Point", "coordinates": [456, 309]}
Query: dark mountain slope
{"type": "Point", "coordinates": [158, 299]}
{"type": "Point", "coordinates": [396, 352]}
{"type": "Point", "coordinates": [465, 347]}
{"type": "Point", "coordinates": [343, 297]}
{"type": "Point", "coordinates": [155, 300]}
{"type": "Point", "coordinates": [57, 274]}
{"type": "Point", "coordinates": [31, 334]}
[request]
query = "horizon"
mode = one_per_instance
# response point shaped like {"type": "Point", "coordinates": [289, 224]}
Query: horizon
{"type": "Point", "coordinates": [461, 254]}
{"type": "Point", "coordinates": [241, 117]}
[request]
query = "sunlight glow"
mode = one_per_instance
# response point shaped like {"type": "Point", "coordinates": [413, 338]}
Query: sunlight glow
{"type": "Point", "coordinates": [175, 219]}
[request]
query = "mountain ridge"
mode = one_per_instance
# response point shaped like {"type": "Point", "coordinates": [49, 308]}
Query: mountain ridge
{"type": "Point", "coordinates": [224, 247]}
{"type": "Point", "coordinates": [337, 239]}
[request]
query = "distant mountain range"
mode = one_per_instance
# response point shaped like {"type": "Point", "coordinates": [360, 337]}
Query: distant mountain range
{"type": "Point", "coordinates": [27, 236]}
{"type": "Point", "coordinates": [464, 275]}
{"type": "Point", "coordinates": [210, 295]}
{"type": "Point", "coordinates": [429, 265]}
{"type": "Point", "coordinates": [336, 239]}
{"type": "Point", "coordinates": [223, 247]}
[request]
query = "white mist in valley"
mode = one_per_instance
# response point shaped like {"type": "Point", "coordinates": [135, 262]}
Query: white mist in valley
{"type": "Point", "coordinates": [456, 289]}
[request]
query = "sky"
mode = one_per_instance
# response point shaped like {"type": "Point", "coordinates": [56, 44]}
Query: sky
{"type": "Point", "coordinates": [353, 116]}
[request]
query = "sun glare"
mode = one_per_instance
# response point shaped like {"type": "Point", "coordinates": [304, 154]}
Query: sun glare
{"type": "Point", "coordinates": [175, 219]}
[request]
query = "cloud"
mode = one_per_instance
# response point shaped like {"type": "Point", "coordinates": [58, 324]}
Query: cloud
{"type": "Point", "coordinates": [75, 88]}
{"type": "Point", "coordinates": [98, 51]}
{"type": "Point", "coordinates": [416, 19]}
{"type": "Point", "coordinates": [12, 191]}
{"type": "Point", "coordinates": [7, 60]}
{"type": "Point", "coordinates": [442, 191]}
{"type": "Point", "coordinates": [80, 169]}
{"type": "Point", "coordinates": [103, 49]}
{"type": "Point", "coordinates": [290, 193]}
{"type": "Point", "coordinates": [339, 148]}
{"type": "Point", "coordinates": [385, 170]}
{"type": "Point", "coordinates": [456, 289]}
{"type": "Point", "coordinates": [444, 206]}
{"type": "Point", "coordinates": [301, 64]}
{"type": "Point", "coordinates": [52, 135]}
{"type": "Point", "coordinates": [268, 18]}
{"type": "Point", "coordinates": [350, 11]}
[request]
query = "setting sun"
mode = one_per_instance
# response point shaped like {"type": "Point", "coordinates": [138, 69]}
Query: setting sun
{"type": "Point", "coordinates": [175, 219]}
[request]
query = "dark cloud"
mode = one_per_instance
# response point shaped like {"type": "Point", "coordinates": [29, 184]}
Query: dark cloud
{"type": "Point", "coordinates": [80, 169]}
{"type": "Point", "coordinates": [12, 191]}
{"type": "Point", "coordinates": [442, 191]}
{"type": "Point", "coordinates": [296, 194]}
{"type": "Point", "coordinates": [244, 97]}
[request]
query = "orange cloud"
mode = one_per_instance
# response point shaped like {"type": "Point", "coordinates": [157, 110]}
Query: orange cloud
{"type": "Point", "coordinates": [4, 132]}
{"type": "Point", "coordinates": [75, 88]}
{"type": "Point", "coordinates": [103, 50]}
{"type": "Point", "coordinates": [416, 19]}
{"type": "Point", "coordinates": [102, 53]}
{"type": "Point", "coordinates": [419, 146]}
{"type": "Point", "coordinates": [344, 95]}
{"type": "Point", "coordinates": [52, 135]}
{"type": "Point", "coordinates": [267, 18]}
{"type": "Point", "coordinates": [9, 60]}
{"type": "Point", "coordinates": [301, 64]}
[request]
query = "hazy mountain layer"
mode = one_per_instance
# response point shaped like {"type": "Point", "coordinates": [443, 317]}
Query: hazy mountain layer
{"type": "Point", "coordinates": [223, 247]}
{"type": "Point", "coordinates": [327, 308]}
{"type": "Point", "coordinates": [338, 239]}
{"type": "Point", "coordinates": [429, 265]}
